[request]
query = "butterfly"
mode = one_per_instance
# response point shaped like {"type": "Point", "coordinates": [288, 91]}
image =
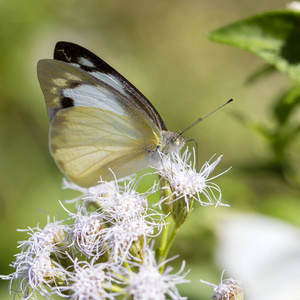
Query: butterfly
{"type": "Point", "coordinates": [99, 122]}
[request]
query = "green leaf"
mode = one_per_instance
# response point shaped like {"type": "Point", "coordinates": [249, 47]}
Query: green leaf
{"type": "Point", "coordinates": [254, 126]}
{"type": "Point", "coordinates": [286, 105]}
{"type": "Point", "coordinates": [260, 73]}
{"type": "Point", "coordinates": [273, 36]}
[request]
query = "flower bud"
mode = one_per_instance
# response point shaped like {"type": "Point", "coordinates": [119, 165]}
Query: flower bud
{"type": "Point", "coordinates": [229, 289]}
{"type": "Point", "coordinates": [181, 210]}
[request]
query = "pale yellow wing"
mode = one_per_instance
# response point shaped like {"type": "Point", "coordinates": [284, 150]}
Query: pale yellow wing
{"type": "Point", "coordinates": [86, 142]}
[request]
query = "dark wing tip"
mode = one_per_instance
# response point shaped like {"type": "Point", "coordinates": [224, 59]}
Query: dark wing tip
{"type": "Point", "coordinates": [63, 51]}
{"type": "Point", "coordinates": [63, 45]}
{"type": "Point", "coordinates": [70, 52]}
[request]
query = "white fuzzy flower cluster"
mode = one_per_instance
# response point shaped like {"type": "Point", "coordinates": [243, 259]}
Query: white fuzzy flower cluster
{"type": "Point", "coordinates": [228, 289]}
{"type": "Point", "coordinates": [107, 238]}
{"type": "Point", "coordinates": [104, 253]}
{"type": "Point", "coordinates": [34, 265]}
{"type": "Point", "coordinates": [123, 222]}
{"type": "Point", "coordinates": [186, 182]}
{"type": "Point", "coordinates": [148, 282]}
{"type": "Point", "coordinates": [87, 280]}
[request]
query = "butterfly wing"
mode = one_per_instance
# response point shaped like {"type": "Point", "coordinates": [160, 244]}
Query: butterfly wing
{"type": "Point", "coordinates": [84, 144]}
{"type": "Point", "coordinates": [87, 142]}
{"type": "Point", "coordinates": [91, 63]}
{"type": "Point", "coordinates": [65, 85]}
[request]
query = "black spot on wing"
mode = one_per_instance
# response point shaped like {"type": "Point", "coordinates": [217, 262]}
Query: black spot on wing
{"type": "Point", "coordinates": [66, 102]}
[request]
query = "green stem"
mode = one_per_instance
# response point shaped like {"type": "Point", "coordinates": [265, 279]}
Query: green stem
{"type": "Point", "coordinates": [165, 234]}
{"type": "Point", "coordinates": [166, 249]}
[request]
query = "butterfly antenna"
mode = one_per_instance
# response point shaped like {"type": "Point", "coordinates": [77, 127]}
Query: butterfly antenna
{"type": "Point", "coordinates": [201, 119]}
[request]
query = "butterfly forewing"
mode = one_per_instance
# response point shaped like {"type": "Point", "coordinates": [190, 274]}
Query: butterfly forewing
{"type": "Point", "coordinates": [91, 63]}
{"type": "Point", "coordinates": [65, 85]}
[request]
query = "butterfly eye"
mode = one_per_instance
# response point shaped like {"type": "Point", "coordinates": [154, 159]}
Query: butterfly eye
{"type": "Point", "coordinates": [176, 141]}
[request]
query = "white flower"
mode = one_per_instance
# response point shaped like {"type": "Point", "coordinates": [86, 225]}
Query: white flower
{"type": "Point", "coordinates": [120, 202]}
{"type": "Point", "coordinates": [86, 281]}
{"type": "Point", "coordinates": [123, 218]}
{"type": "Point", "coordinates": [186, 182]}
{"type": "Point", "coordinates": [127, 216]}
{"type": "Point", "coordinates": [33, 266]}
{"type": "Point", "coordinates": [104, 190]}
{"type": "Point", "coordinates": [115, 200]}
{"type": "Point", "coordinates": [121, 235]}
{"type": "Point", "coordinates": [148, 283]}
{"type": "Point", "coordinates": [228, 289]}
{"type": "Point", "coordinates": [33, 272]}
{"type": "Point", "coordinates": [92, 194]}
{"type": "Point", "coordinates": [40, 270]}
{"type": "Point", "coordinates": [87, 233]}
{"type": "Point", "coordinates": [51, 238]}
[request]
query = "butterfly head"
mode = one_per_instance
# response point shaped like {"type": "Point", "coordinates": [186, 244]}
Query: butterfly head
{"type": "Point", "coordinates": [171, 142]}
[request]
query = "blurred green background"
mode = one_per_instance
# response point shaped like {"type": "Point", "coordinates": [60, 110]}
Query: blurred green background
{"type": "Point", "coordinates": [161, 47]}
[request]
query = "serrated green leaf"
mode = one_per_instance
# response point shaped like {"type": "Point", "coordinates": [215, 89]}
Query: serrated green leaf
{"type": "Point", "coordinates": [273, 36]}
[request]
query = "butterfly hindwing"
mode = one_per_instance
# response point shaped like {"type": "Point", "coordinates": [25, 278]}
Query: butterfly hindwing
{"type": "Point", "coordinates": [87, 142]}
